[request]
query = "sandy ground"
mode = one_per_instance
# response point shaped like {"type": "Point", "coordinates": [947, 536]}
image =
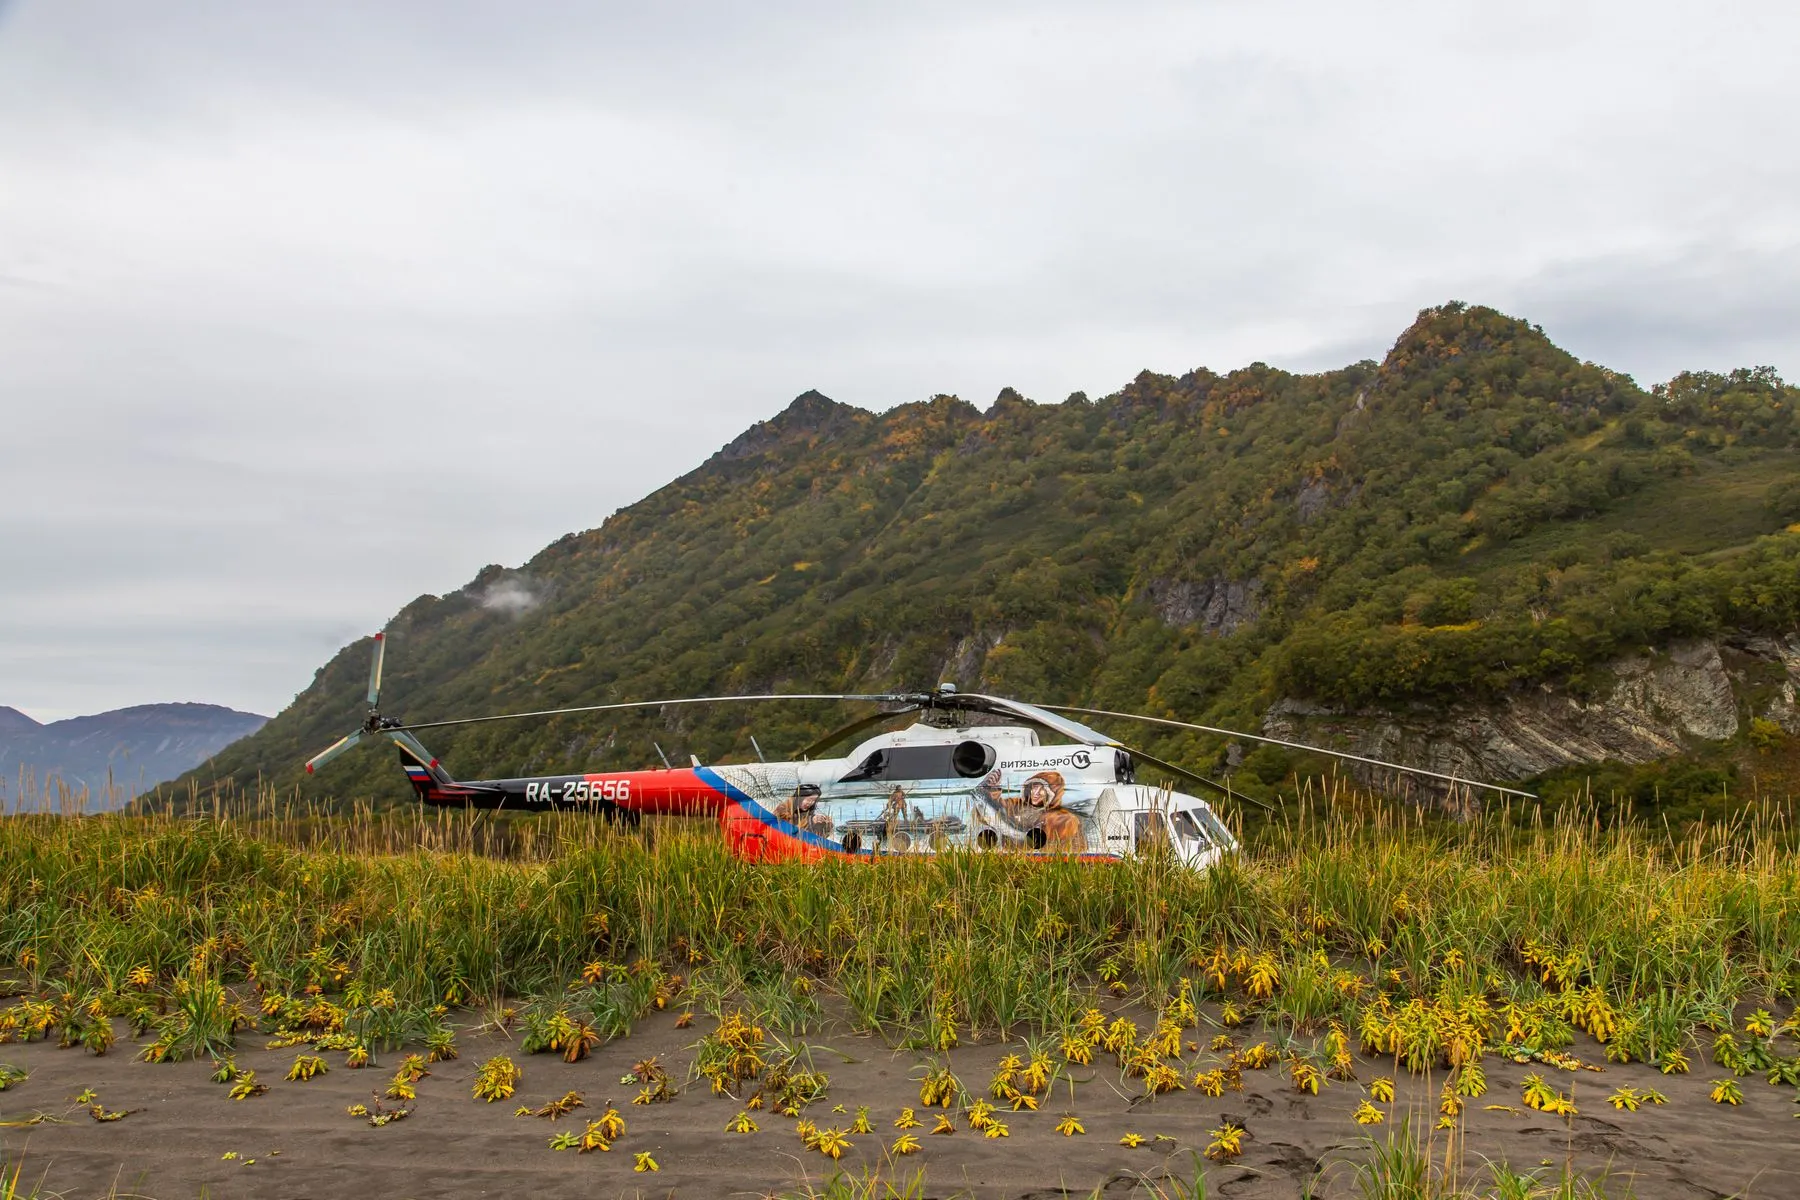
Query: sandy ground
{"type": "Point", "coordinates": [298, 1141]}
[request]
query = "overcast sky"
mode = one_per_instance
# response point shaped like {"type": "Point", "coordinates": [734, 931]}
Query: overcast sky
{"type": "Point", "coordinates": [307, 309]}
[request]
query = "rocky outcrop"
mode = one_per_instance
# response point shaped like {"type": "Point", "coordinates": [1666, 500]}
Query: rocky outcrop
{"type": "Point", "coordinates": [963, 664]}
{"type": "Point", "coordinates": [1781, 699]}
{"type": "Point", "coordinates": [811, 415]}
{"type": "Point", "coordinates": [1311, 500]}
{"type": "Point", "coordinates": [1657, 705]}
{"type": "Point", "coordinates": [1218, 605]}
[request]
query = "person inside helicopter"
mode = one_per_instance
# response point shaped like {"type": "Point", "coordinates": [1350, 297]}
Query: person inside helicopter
{"type": "Point", "coordinates": [802, 808]}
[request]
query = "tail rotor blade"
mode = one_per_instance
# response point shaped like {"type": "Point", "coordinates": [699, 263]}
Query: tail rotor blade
{"type": "Point", "coordinates": [375, 671]}
{"type": "Point", "coordinates": [332, 751]}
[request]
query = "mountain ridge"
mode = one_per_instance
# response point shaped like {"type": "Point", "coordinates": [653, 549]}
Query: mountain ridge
{"type": "Point", "coordinates": [14, 723]}
{"type": "Point", "coordinates": [128, 749]}
{"type": "Point", "coordinates": [1476, 513]}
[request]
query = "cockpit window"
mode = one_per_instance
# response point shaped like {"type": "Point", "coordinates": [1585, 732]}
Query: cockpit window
{"type": "Point", "coordinates": [1187, 827]}
{"type": "Point", "coordinates": [1209, 821]}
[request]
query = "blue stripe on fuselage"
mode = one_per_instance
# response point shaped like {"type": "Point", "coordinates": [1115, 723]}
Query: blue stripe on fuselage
{"type": "Point", "coordinates": [720, 784]}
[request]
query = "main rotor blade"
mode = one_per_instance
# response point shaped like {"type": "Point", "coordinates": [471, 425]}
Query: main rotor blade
{"type": "Point", "coordinates": [375, 671]}
{"type": "Point", "coordinates": [853, 728]}
{"type": "Point", "coordinates": [1253, 737]}
{"type": "Point", "coordinates": [1212, 785]}
{"type": "Point", "coordinates": [1018, 710]}
{"type": "Point", "coordinates": [332, 751]}
{"type": "Point", "coordinates": [888, 698]}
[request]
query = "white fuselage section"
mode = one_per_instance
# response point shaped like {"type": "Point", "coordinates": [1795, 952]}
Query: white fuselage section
{"type": "Point", "coordinates": [929, 787]}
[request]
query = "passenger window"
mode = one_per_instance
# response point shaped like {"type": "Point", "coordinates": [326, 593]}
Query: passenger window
{"type": "Point", "coordinates": [871, 767]}
{"type": "Point", "coordinates": [1149, 830]}
{"type": "Point", "coordinates": [966, 760]}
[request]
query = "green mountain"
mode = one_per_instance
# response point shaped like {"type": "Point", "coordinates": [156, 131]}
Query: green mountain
{"type": "Point", "coordinates": [1478, 517]}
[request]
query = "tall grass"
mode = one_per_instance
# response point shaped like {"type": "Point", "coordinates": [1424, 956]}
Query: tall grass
{"type": "Point", "coordinates": [54, 794]}
{"type": "Point", "coordinates": [1353, 909]}
{"type": "Point", "coordinates": [1396, 1167]}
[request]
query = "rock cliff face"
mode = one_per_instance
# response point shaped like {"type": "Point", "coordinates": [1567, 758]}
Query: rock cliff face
{"type": "Point", "coordinates": [1218, 606]}
{"type": "Point", "coordinates": [1783, 706]}
{"type": "Point", "coordinates": [1657, 705]}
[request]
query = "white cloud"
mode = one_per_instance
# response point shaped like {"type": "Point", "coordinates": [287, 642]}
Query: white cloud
{"type": "Point", "coordinates": [512, 595]}
{"type": "Point", "coordinates": [304, 311]}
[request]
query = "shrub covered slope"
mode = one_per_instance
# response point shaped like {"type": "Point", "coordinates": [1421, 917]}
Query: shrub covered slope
{"type": "Point", "coordinates": [1478, 512]}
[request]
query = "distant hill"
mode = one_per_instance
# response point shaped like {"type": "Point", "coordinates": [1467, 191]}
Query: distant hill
{"type": "Point", "coordinates": [1474, 523]}
{"type": "Point", "coordinates": [14, 723]}
{"type": "Point", "coordinates": [129, 748]}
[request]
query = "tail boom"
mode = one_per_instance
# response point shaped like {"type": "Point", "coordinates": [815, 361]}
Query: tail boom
{"type": "Point", "coordinates": [682, 790]}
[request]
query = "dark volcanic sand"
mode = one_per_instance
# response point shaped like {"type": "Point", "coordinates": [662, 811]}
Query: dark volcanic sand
{"type": "Point", "coordinates": [304, 1144]}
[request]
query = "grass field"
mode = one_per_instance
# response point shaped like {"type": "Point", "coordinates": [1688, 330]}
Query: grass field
{"type": "Point", "coordinates": [1452, 958]}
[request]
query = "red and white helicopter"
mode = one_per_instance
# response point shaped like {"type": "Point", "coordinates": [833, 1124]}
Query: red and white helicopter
{"type": "Point", "coordinates": [972, 771]}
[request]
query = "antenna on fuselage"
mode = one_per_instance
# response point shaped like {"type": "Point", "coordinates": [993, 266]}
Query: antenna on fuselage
{"type": "Point", "coordinates": [759, 754]}
{"type": "Point", "coordinates": [667, 765]}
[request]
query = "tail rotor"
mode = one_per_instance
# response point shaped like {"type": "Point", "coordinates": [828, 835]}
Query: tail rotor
{"type": "Point", "coordinates": [374, 723]}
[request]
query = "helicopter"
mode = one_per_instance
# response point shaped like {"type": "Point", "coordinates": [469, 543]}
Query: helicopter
{"type": "Point", "coordinates": [972, 771]}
